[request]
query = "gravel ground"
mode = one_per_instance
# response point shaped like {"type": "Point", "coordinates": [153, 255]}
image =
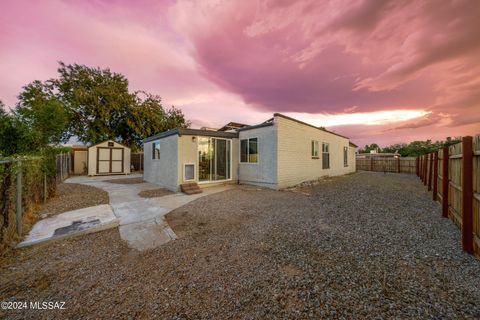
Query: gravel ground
{"type": "Point", "coordinates": [126, 181]}
{"type": "Point", "coordinates": [154, 193]}
{"type": "Point", "coordinates": [72, 196]}
{"type": "Point", "coordinates": [368, 245]}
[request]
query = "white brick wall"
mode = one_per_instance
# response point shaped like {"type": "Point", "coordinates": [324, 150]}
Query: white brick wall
{"type": "Point", "coordinates": [295, 163]}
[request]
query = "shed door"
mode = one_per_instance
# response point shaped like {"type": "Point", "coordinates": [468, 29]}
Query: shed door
{"type": "Point", "coordinates": [109, 160]}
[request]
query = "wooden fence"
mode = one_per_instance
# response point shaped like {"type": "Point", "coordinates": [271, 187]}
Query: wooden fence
{"type": "Point", "coordinates": [453, 176]}
{"type": "Point", "coordinates": [399, 165]}
{"type": "Point", "coordinates": [136, 160]}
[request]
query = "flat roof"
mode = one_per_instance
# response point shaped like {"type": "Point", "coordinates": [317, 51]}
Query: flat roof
{"type": "Point", "coordinates": [192, 132]}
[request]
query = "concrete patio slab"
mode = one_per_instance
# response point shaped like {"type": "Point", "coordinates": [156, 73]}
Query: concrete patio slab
{"type": "Point", "coordinates": [140, 220]}
{"type": "Point", "coordinates": [147, 234]}
{"type": "Point", "coordinates": [72, 223]}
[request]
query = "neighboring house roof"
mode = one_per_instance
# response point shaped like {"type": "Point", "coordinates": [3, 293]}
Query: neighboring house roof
{"type": "Point", "coordinates": [352, 144]}
{"type": "Point", "coordinates": [267, 123]}
{"type": "Point", "coordinates": [232, 126]}
{"type": "Point", "coordinates": [192, 132]}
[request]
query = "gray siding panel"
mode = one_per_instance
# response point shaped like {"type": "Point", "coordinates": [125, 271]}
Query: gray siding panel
{"type": "Point", "coordinates": [264, 172]}
{"type": "Point", "coordinates": [163, 171]}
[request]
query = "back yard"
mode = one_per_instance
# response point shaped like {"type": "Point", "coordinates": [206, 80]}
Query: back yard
{"type": "Point", "coordinates": [364, 245]}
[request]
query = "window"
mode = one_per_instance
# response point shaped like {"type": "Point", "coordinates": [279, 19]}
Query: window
{"type": "Point", "coordinates": [249, 150]}
{"type": "Point", "coordinates": [345, 156]}
{"type": "Point", "coordinates": [189, 172]}
{"type": "Point", "coordinates": [325, 156]}
{"type": "Point", "coordinates": [314, 149]}
{"type": "Point", "coordinates": [156, 150]}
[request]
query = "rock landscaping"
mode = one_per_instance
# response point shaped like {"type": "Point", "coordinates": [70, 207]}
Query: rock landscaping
{"type": "Point", "coordinates": [73, 196]}
{"type": "Point", "coordinates": [368, 245]}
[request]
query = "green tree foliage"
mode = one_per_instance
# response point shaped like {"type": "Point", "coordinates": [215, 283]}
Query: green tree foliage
{"type": "Point", "coordinates": [101, 107]}
{"type": "Point", "coordinates": [91, 104]}
{"type": "Point", "coordinates": [15, 137]}
{"type": "Point", "coordinates": [40, 110]}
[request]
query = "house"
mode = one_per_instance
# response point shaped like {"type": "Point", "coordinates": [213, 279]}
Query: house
{"type": "Point", "coordinates": [278, 153]}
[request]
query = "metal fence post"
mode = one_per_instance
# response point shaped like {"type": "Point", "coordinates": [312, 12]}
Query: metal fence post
{"type": "Point", "coordinates": [45, 187]}
{"type": "Point", "coordinates": [467, 194]}
{"type": "Point", "coordinates": [18, 209]}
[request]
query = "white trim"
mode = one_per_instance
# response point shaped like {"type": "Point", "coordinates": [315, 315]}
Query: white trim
{"type": "Point", "coordinates": [194, 171]}
{"type": "Point", "coordinates": [240, 150]}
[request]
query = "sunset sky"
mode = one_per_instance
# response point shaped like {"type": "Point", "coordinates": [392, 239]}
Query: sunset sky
{"type": "Point", "coordinates": [376, 71]}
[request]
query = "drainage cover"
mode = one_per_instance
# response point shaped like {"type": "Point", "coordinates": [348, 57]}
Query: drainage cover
{"type": "Point", "coordinates": [76, 226]}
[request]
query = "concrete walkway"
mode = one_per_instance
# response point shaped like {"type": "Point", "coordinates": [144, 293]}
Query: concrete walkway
{"type": "Point", "coordinates": [141, 220]}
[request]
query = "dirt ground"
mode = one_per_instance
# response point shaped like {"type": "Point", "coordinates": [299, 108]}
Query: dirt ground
{"type": "Point", "coordinates": [126, 181]}
{"type": "Point", "coordinates": [363, 246]}
{"type": "Point", "coordinates": [154, 193]}
{"type": "Point", "coordinates": [72, 196]}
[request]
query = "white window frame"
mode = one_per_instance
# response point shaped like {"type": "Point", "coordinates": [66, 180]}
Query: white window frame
{"type": "Point", "coordinates": [248, 149]}
{"type": "Point", "coordinates": [153, 149]}
{"type": "Point", "coordinates": [314, 145]}
{"type": "Point", "coordinates": [194, 171]}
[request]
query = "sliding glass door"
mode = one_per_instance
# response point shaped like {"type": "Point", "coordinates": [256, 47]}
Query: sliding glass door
{"type": "Point", "coordinates": [214, 159]}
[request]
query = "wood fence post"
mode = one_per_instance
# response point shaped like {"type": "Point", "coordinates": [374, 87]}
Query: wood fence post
{"type": "Point", "coordinates": [467, 194]}
{"type": "Point", "coordinates": [398, 165]}
{"type": "Point", "coordinates": [416, 166]}
{"type": "Point", "coordinates": [425, 170]}
{"type": "Point", "coordinates": [435, 175]}
{"type": "Point", "coordinates": [445, 182]}
{"type": "Point", "coordinates": [371, 163]}
{"type": "Point", "coordinates": [430, 172]}
{"type": "Point", "coordinates": [18, 207]}
{"type": "Point", "coordinates": [420, 161]}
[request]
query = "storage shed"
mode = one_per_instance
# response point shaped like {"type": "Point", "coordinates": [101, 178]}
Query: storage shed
{"type": "Point", "coordinates": [108, 158]}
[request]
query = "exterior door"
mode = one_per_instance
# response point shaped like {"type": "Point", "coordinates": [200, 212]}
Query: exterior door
{"type": "Point", "coordinates": [109, 160]}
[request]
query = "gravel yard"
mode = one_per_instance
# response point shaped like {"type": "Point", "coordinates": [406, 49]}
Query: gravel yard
{"type": "Point", "coordinates": [360, 246]}
{"type": "Point", "coordinates": [72, 196]}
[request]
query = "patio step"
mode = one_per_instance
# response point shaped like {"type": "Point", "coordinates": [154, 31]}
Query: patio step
{"type": "Point", "coordinates": [190, 188]}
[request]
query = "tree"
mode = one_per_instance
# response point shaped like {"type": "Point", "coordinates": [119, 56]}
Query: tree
{"type": "Point", "coordinates": [15, 137]}
{"type": "Point", "coordinates": [42, 112]}
{"type": "Point", "coordinates": [101, 107]}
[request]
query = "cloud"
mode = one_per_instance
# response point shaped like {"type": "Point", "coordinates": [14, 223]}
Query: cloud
{"type": "Point", "coordinates": [331, 56]}
{"type": "Point", "coordinates": [344, 63]}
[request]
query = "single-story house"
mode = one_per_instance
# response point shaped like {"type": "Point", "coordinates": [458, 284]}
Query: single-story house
{"type": "Point", "coordinates": [278, 153]}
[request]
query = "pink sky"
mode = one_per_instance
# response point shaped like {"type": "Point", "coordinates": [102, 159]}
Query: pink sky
{"type": "Point", "coordinates": [376, 71]}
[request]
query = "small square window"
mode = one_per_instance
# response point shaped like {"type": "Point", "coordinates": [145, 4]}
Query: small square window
{"type": "Point", "coordinates": [156, 150]}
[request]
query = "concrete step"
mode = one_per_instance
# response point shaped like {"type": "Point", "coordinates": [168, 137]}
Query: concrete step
{"type": "Point", "coordinates": [190, 188]}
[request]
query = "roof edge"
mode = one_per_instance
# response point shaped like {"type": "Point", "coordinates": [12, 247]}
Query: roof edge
{"type": "Point", "coordinates": [307, 124]}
